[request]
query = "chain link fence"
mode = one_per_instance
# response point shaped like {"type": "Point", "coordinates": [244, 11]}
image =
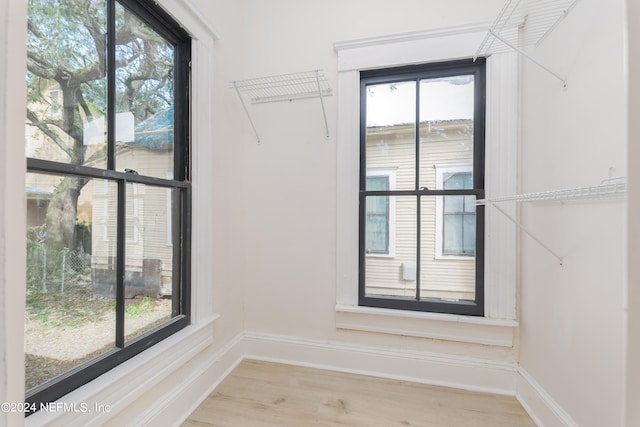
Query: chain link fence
{"type": "Point", "coordinates": [53, 268]}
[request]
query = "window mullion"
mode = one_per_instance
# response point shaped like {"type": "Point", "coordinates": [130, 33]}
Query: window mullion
{"type": "Point", "coordinates": [111, 84]}
{"type": "Point", "coordinates": [120, 261]}
{"type": "Point", "coordinates": [184, 287]}
{"type": "Point", "coordinates": [417, 187]}
{"type": "Point", "coordinates": [111, 156]}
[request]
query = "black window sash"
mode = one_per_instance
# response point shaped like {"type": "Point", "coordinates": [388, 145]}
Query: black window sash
{"type": "Point", "coordinates": [417, 73]}
{"type": "Point", "coordinates": [85, 372]}
{"type": "Point", "coordinates": [57, 387]}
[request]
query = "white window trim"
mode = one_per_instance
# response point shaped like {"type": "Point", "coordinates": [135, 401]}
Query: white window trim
{"type": "Point", "coordinates": [391, 174]}
{"type": "Point", "coordinates": [500, 179]}
{"type": "Point", "coordinates": [440, 171]}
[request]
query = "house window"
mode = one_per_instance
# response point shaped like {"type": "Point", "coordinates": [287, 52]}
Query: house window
{"type": "Point", "coordinates": [427, 123]}
{"type": "Point", "coordinates": [455, 215]}
{"type": "Point", "coordinates": [377, 240]}
{"type": "Point", "coordinates": [113, 165]}
{"type": "Point", "coordinates": [459, 218]}
{"type": "Point", "coordinates": [380, 220]}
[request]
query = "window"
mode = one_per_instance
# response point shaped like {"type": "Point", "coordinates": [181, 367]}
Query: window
{"type": "Point", "coordinates": [456, 215]}
{"type": "Point", "coordinates": [377, 240]}
{"type": "Point", "coordinates": [427, 124]}
{"type": "Point", "coordinates": [380, 238]}
{"type": "Point", "coordinates": [112, 167]}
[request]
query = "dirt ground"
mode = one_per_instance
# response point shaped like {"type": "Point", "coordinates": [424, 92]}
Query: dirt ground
{"type": "Point", "coordinates": [58, 337]}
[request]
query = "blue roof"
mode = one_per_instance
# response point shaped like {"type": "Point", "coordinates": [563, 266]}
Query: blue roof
{"type": "Point", "coordinates": [155, 132]}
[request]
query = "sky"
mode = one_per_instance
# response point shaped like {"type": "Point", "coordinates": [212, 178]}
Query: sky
{"type": "Point", "coordinates": [440, 99]}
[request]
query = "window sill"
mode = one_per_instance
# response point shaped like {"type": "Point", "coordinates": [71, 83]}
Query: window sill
{"type": "Point", "coordinates": [449, 327]}
{"type": "Point", "coordinates": [390, 255]}
{"type": "Point", "coordinates": [126, 382]}
{"type": "Point", "coordinates": [454, 258]}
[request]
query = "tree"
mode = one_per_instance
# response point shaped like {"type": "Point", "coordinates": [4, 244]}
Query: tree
{"type": "Point", "coordinates": [67, 54]}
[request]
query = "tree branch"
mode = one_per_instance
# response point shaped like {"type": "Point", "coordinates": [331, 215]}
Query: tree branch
{"type": "Point", "coordinates": [39, 66]}
{"type": "Point", "coordinates": [43, 126]}
{"type": "Point", "coordinates": [83, 104]}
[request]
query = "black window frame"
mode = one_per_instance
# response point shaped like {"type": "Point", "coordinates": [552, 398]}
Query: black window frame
{"type": "Point", "coordinates": [416, 73]}
{"type": "Point", "coordinates": [161, 22]}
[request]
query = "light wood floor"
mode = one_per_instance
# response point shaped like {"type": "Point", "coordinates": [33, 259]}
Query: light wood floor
{"type": "Point", "coordinates": [261, 394]}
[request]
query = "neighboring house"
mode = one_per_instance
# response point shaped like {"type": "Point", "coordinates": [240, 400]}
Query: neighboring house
{"type": "Point", "coordinates": [448, 264]}
{"type": "Point", "coordinates": [149, 248]}
{"type": "Point", "coordinates": [37, 204]}
{"type": "Point", "coordinates": [147, 149]}
{"type": "Point", "coordinates": [40, 146]}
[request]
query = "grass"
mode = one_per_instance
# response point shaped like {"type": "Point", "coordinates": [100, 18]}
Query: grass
{"type": "Point", "coordinates": [71, 308]}
{"type": "Point", "coordinates": [77, 305]}
{"type": "Point", "coordinates": [134, 308]}
{"type": "Point", "coordinates": [69, 328]}
{"type": "Point", "coordinates": [66, 326]}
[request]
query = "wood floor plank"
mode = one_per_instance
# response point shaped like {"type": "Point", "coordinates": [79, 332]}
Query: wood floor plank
{"type": "Point", "coordinates": [263, 394]}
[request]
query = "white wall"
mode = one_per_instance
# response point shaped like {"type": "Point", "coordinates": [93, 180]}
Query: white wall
{"type": "Point", "coordinates": [571, 332]}
{"type": "Point", "coordinates": [12, 215]}
{"type": "Point", "coordinates": [182, 368]}
{"type": "Point", "coordinates": [272, 243]}
{"type": "Point", "coordinates": [225, 163]}
{"type": "Point", "coordinates": [633, 233]}
{"type": "Point", "coordinates": [290, 177]}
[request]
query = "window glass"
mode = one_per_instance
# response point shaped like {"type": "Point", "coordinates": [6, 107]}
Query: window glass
{"type": "Point", "coordinates": [68, 317]}
{"type": "Point", "coordinates": [391, 131]}
{"type": "Point", "coordinates": [149, 260]}
{"type": "Point", "coordinates": [377, 235]}
{"type": "Point", "coordinates": [105, 83]}
{"type": "Point", "coordinates": [459, 223]}
{"type": "Point", "coordinates": [430, 230]}
{"type": "Point", "coordinates": [459, 232]}
{"type": "Point", "coordinates": [144, 107]}
{"type": "Point", "coordinates": [66, 82]}
{"type": "Point", "coordinates": [394, 275]}
{"type": "Point", "coordinates": [446, 124]}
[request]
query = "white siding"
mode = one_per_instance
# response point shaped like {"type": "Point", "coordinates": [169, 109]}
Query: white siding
{"type": "Point", "coordinates": [440, 277]}
{"type": "Point", "coordinates": [147, 217]}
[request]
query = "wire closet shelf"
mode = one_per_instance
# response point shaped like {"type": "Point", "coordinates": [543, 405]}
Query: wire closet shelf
{"type": "Point", "coordinates": [284, 87]}
{"type": "Point", "coordinates": [610, 189]}
{"type": "Point", "coordinates": [537, 18]}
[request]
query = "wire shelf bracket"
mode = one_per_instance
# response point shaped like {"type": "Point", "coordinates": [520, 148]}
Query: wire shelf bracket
{"type": "Point", "coordinates": [609, 189]}
{"type": "Point", "coordinates": [284, 87]}
{"type": "Point", "coordinates": [537, 18]}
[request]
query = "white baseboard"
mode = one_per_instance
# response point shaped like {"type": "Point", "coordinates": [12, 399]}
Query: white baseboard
{"type": "Point", "coordinates": [540, 406]}
{"type": "Point", "coordinates": [180, 392]}
{"type": "Point", "coordinates": [449, 371]}
{"type": "Point", "coordinates": [207, 371]}
{"type": "Point", "coordinates": [436, 369]}
{"type": "Point", "coordinates": [205, 374]}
